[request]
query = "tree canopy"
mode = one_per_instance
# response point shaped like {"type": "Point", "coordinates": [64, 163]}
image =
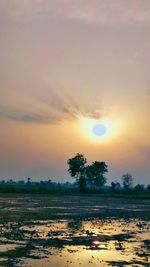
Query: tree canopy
{"type": "Point", "coordinates": [77, 169]}
{"type": "Point", "coordinates": [95, 173]}
{"type": "Point", "coordinates": [92, 174]}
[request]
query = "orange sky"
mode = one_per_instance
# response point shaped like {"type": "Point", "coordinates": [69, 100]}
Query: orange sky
{"type": "Point", "coordinates": [66, 65]}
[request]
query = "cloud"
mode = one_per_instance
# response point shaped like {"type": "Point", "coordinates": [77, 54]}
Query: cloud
{"type": "Point", "coordinates": [47, 108]}
{"type": "Point", "coordinates": [28, 117]}
{"type": "Point", "coordinates": [95, 11]}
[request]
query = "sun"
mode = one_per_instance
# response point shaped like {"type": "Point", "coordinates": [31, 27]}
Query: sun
{"type": "Point", "coordinates": [98, 130]}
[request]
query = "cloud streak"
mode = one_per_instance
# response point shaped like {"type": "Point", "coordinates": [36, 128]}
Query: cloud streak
{"type": "Point", "coordinates": [50, 108]}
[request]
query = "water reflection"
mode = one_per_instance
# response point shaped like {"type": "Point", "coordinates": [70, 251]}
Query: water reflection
{"type": "Point", "coordinates": [96, 245]}
{"type": "Point", "coordinates": [76, 242]}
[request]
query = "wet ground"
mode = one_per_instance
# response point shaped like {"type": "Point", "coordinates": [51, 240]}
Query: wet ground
{"type": "Point", "coordinates": [70, 231]}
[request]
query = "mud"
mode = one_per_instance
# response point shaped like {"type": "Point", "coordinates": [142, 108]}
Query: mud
{"type": "Point", "coordinates": [85, 235]}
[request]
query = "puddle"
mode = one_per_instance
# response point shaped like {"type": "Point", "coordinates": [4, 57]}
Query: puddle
{"type": "Point", "coordinates": [88, 242]}
{"type": "Point", "coordinates": [71, 231]}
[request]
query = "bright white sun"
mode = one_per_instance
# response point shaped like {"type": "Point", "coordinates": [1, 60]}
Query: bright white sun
{"type": "Point", "coordinates": [98, 130]}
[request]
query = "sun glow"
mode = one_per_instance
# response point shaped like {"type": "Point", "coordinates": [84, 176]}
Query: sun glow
{"type": "Point", "coordinates": [98, 130]}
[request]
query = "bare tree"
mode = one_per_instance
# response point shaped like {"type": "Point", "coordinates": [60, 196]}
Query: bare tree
{"type": "Point", "coordinates": [127, 180]}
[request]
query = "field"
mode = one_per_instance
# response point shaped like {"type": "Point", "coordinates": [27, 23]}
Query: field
{"type": "Point", "coordinates": [87, 230]}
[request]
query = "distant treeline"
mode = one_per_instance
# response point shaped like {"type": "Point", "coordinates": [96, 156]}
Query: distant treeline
{"type": "Point", "coordinates": [92, 177]}
{"type": "Point", "coordinates": [51, 187]}
{"type": "Point", "coordinates": [88, 179]}
{"type": "Point", "coordinates": [30, 186]}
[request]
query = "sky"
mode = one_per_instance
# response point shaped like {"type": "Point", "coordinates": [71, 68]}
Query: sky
{"type": "Point", "coordinates": [66, 66]}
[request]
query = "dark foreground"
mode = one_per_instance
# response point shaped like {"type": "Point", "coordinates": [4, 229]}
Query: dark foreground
{"type": "Point", "coordinates": [18, 207]}
{"type": "Point", "coordinates": [42, 230]}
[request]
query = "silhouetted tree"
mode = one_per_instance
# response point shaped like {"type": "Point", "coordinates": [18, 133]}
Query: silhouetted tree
{"type": "Point", "coordinates": [148, 187]}
{"type": "Point", "coordinates": [95, 173]}
{"type": "Point", "coordinates": [28, 180]}
{"type": "Point", "coordinates": [10, 181]}
{"type": "Point", "coordinates": [127, 180]}
{"type": "Point", "coordinates": [115, 187]}
{"type": "Point", "coordinates": [118, 187]}
{"type": "Point", "coordinates": [77, 170]}
{"type": "Point", "coordinates": [139, 188]}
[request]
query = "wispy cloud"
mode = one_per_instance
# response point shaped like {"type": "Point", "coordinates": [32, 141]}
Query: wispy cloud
{"type": "Point", "coordinates": [47, 108]}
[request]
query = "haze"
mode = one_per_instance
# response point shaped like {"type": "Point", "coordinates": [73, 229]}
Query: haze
{"type": "Point", "coordinates": [62, 59]}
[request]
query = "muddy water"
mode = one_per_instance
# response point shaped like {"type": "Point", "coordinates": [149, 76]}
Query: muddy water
{"type": "Point", "coordinates": [88, 242]}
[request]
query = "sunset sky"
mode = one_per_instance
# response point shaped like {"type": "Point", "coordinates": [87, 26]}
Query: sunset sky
{"type": "Point", "coordinates": [66, 66]}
